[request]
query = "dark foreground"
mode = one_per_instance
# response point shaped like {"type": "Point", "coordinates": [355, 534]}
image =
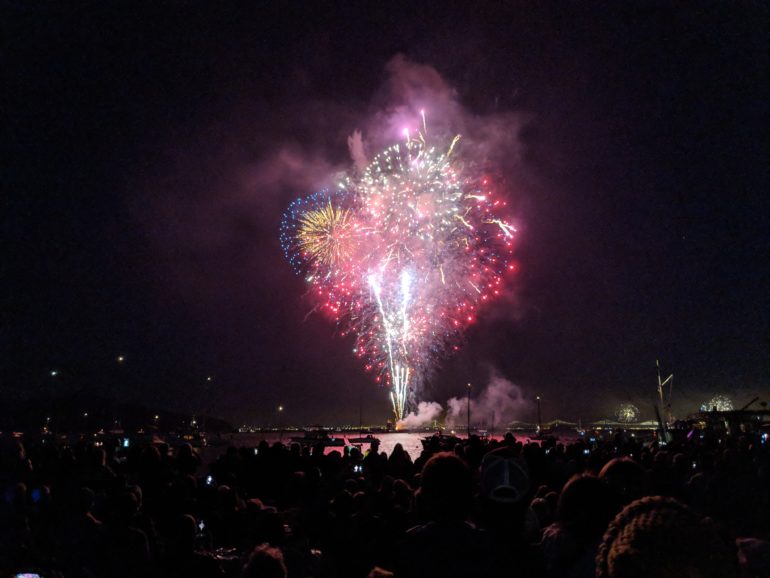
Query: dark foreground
{"type": "Point", "coordinates": [697, 508]}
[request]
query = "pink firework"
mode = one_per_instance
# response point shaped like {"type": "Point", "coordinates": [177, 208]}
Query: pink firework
{"type": "Point", "coordinates": [403, 256]}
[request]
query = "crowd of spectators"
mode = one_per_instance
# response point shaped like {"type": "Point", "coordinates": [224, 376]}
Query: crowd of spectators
{"type": "Point", "coordinates": [610, 508]}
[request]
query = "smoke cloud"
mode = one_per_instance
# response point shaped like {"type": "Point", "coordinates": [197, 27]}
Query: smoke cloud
{"type": "Point", "coordinates": [427, 411]}
{"type": "Point", "coordinates": [414, 89]}
{"type": "Point", "coordinates": [498, 404]}
{"type": "Point", "coordinates": [356, 148]}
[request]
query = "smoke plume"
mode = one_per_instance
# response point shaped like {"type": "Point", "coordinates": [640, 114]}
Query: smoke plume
{"type": "Point", "coordinates": [427, 411]}
{"type": "Point", "coordinates": [498, 404]}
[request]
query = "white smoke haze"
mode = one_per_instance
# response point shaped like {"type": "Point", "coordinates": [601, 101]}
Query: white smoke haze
{"type": "Point", "coordinates": [499, 403]}
{"type": "Point", "coordinates": [427, 412]}
{"type": "Point", "coordinates": [357, 153]}
{"type": "Point", "coordinates": [411, 89]}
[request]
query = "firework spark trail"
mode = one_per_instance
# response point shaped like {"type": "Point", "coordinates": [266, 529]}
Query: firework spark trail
{"type": "Point", "coordinates": [403, 256]}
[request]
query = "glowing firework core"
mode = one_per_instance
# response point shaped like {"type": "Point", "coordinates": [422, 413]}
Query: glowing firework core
{"type": "Point", "coordinates": [627, 413]}
{"type": "Point", "coordinates": [720, 402]}
{"type": "Point", "coordinates": [324, 234]}
{"type": "Point", "coordinates": [404, 255]}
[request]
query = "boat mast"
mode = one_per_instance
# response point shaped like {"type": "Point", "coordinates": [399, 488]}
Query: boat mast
{"type": "Point", "coordinates": [665, 404]}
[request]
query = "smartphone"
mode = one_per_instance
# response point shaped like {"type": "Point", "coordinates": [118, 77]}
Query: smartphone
{"type": "Point", "coordinates": [358, 468]}
{"type": "Point", "coordinates": [209, 481]}
{"type": "Point", "coordinates": [586, 451]}
{"type": "Point", "coordinates": [126, 442]}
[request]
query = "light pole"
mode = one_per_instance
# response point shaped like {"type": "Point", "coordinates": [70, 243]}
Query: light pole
{"type": "Point", "coordinates": [469, 387]}
{"type": "Point", "coordinates": [539, 419]}
{"type": "Point", "coordinates": [280, 423]}
{"type": "Point", "coordinates": [51, 405]}
{"type": "Point", "coordinates": [206, 405]}
{"type": "Point", "coordinates": [120, 382]}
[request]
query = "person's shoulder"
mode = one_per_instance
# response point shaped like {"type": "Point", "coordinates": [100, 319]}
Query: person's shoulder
{"type": "Point", "coordinates": [433, 530]}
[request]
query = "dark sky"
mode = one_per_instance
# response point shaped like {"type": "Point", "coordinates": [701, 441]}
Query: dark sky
{"type": "Point", "coordinates": [150, 149]}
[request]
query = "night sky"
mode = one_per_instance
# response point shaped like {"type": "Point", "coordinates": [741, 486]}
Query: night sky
{"type": "Point", "coordinates": [150, 149]}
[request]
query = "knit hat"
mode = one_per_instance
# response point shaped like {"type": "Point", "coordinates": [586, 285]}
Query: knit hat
{"type": "Point", "coordinates": [661, 537]}
{"type": "Point", "coordinates": [504, 477]}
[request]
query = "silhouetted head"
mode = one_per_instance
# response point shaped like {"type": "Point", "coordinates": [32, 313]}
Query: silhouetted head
{"type": "Point", "coordinates": [658, 536]}
{"type": "Point", "coordinates": [181, 534]}
{"type": "Point", "coordinates": [504, 477]}
{"type": "Point", "coordinates": [86, 500]}
{"type": "Point", "coordinates": [264, 562]}
{"type": "Point", "coordinates": [446, 490]}
{"type": "Point", "coordinates": [125, 507]}
{"type": "Point", "coordinates": [505, 490]}
{"type": "Point", "coordinates": [585, 507]}
{"type": "Point", "coordinates": [625, 478]}
{"type": "Point", "coordinates": [342, 504]}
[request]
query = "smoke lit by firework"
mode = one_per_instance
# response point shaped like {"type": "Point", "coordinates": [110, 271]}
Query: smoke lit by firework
{"type": "Point", "coordinates": [402, 256]}
{"type": "Point", "coordinates": [720, 402]}
{"type": "Point", "coordinates": [627, 413]}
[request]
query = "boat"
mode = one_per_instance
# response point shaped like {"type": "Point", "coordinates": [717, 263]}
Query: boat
{"type": "Point", "coordinates": [439, 440]}
{"type": "Point", "coordinates": [196, 439]}
{"type": "Point", "coordinates": [543, 434]}
{"type": "Point", "coordinates": [318, 437]}
{"type": "Point", "coordinates": [367, 439]}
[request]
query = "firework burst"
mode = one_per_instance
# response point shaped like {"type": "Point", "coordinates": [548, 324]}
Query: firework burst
{"type": "Point", "coordinates": [324, 235]}
{"type": "Point", "coordinates": [720, 402]}
{"type": "Point", "coordinates": [627, 413]}
{"type": "Point", "coordinates": [403, 256]}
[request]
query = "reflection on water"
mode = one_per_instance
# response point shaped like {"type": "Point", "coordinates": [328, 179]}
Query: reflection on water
{"type": "Point", "coordinates": [412, 442]}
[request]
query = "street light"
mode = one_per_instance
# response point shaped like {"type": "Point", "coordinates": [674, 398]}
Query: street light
{"type": "Point", "coordinates": [539, 420]}
{"type": "Point", "coordinates": [54, 373]}
{"type": "Point", "coordinates": [469, 386]}
{"type": "Point", "coordinates": [120, 359]}
{"type": "Point", "coordinates": [280, 423]}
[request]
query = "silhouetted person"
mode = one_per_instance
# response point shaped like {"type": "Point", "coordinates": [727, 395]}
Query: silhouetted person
{"type": "Point", "coordinates": [569, 545]}
{"type": "Point", "coordinates": [79, 533]}
{"type": "Point", "coordinates": [126, 551]}
{"type": "Point", "coordinates": [400, 464]}
{"type": "Point", "coordinates": [446, 546]}
{"type": "Point", "coordinates": [625, 479]}
{"type": "Point", "coordinates": [505, 491]}
{"type": "Point", "coordinates": [264, 562]}
{"type": "Point", "coordinates": [187, 460]}
{"type": "Point", "coordinates": [183, 559]}
{"type": "Point", "coordinates": [658, 536]}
